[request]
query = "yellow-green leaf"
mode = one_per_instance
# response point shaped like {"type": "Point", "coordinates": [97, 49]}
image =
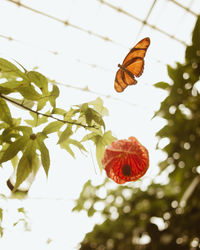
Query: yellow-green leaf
{"type": "Point", "coordinates": [14, 148]}
{"type": "Point", "coordinates": [25, 165]}
{"type": "Point", "coordinates": [45, 158]}
{"type": "Point", "coordinates": [65, 134]}
{"type": "Point", "coordinates": [5, 114]}
{"type": "Point", "coordinates": [53, 127]}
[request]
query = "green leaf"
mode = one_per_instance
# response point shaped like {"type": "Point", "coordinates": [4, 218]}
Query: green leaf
{"type": "Point", "coordinates": [21, 210]}
{"type": "Point", "coordinates": [100, 148]}
{"type": "Point", "coordinates": [1, 231]}
{"type": "Point", "coordinates": [98, 106]}
{"type": "Point", "coordinates": [108, 138]}
{"type": "Point", "coordinates": [24, 102]}
{"type": "Point", "coordinates": [37, 119]}
{"type": "Point", "coordinates": [162, 85]}
{"type": "Point", "coordinates": [6, 66]}
{"type": "Point", "coordinates": [11, 84]}
{"type": "Point", "coordinates": [91, 116]}
{"type": "Point", "coordinates": [54, 94]}
{"type": "Point", "coordinates": [97, 118]}
{"type": "Point", "coordinates": [5, 91]}
{"type": "Point", "coordinates": [41, 103]}
{"type": "Point", "coordinates": [3, 125]}
{"type": "Point", "coordinates": [5, 114]}
{"type": "Point", "coordinates": [77, 144]}
{"type": "Point", "coordinates": [29, 92]}
{"type": "Point", "coordinates": [1, 215]}
{"type": "Point", "coordinates": [92, 136]}
{"type": "Point", "coordinates": [53, 127]}
{"type": "Point", "coordinates": [25, 165]}
{"type": "Point", "coordinates": [16, 122]}
{"type": "Point", "coordinates": [100, 142]}
{"type": "Point", "coordinates": [39, 80]}
{"type": "Point", "coordinates": [44, 154]}
{"type": "Point", "coordinates": [65, 134]}
{"type": "Point", "coordinates": [66, 146]}
{"type": "Point", "coordinates": [14, 148]}
{"type": "Point", "coordinates": [59, 111]}
{"type": "Point", "coordinates": [69, 114]}
{"type": "Point", "coordinates": [25, 129]}
{"type": "Point", "coordinates": [15, 161]}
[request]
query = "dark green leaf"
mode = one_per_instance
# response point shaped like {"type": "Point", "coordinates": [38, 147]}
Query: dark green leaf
{"type": "Point", "coordinates": [5, 114]}
{"type": "Point", "coordinates": [162, 85]}
{"type": "Point", "coordinates": [14, 148]}
{"type": "Point", "coordinates": [5, 91]}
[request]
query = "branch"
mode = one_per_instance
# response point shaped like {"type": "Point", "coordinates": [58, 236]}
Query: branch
{"type": "Point", "coordinates": [49, 116]}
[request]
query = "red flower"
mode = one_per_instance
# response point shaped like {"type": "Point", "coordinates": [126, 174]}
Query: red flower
{"type": "Point", "coordinates": [125, 160]}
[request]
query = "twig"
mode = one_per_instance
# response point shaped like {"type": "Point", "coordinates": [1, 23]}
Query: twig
{"type": "Point", "coordinates": [39, 113]}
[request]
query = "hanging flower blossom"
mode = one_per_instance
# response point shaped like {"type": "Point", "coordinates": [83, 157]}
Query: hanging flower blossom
{"type": "Point", "coordinates": [125, 160]}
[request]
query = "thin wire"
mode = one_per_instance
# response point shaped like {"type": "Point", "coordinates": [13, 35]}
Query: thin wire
{"type": "Point", "coordinates": [56, 53]}
{"type": "Point", "coordinates": [185, 8]}
{"type": "Point", "coordinates": [66, 23]}
{"type": "Point", "coordinates": [183, 16]}
{"type": "Point", "coordinates": [142, 21]}
{"type": "Point", "coordinates": [53, 52]}
{"type": "Point", "coordinates": [93, 33]}
{"type": "Point", "coordinates": [85, 89]}
{"type": "Point", "coordinates": [99, 94]}
{"type": "Point", "coordinates": [146, 18]}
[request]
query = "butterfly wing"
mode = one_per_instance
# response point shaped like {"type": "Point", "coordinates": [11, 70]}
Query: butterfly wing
{"type": "Point", "coordinates": [122, 80]}
{"type": "Point", "coordinates": [134, 61]}
{"type": "Point", "coordinates": [133, 65]}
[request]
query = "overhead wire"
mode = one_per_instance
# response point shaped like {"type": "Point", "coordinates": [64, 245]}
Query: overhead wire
{"type": "Point", "coordinates": [67, 23]}
{"type": "Point", "coordinates": [146, 18]}
{"type": "Point", "coordinates": [142, 21]}
{"type": "Point", "coordinates": [185, 8]}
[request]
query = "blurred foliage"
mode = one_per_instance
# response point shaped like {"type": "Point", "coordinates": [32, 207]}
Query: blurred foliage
{"type": "Point", "coordinates": [22, 139]}
{"type": "Point", "coordinates": [165, 216]}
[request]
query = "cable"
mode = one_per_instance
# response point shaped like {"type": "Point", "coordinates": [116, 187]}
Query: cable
{"type": "Point", "coordinates": [185, 8]}
{"type": "Point", "coordinates": [142, 21]}
{"type": "Point", "coordinates": [66, 23]}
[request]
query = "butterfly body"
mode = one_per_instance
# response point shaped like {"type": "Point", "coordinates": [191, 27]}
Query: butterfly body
{"type": "Point", "coordinates": [132, 66]}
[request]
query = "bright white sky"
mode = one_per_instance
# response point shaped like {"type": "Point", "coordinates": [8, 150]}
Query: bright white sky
{"type": "Point", "coordinates": [50, 201]}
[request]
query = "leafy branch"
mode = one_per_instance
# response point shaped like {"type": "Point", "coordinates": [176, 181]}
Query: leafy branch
{"type": "Point", "coordinates": [17, 139]}
{"type": "Point", "coordinates": [46, 115]}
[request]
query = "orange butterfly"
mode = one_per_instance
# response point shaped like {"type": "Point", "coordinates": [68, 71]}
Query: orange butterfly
{"type": "Point", "coordinates": [132, 65]}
